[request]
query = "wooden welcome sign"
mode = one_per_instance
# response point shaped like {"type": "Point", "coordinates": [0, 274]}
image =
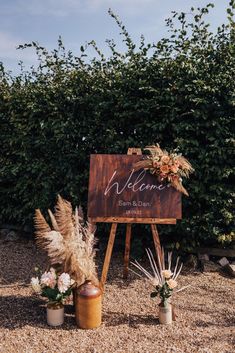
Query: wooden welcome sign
{"type": "Point", "coordinates": [119, 194]}
{"type": "Point", "coordinates": [116, 190]}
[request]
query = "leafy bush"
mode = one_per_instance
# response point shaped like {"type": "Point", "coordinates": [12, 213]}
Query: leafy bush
{"type": "Point", "coordinates": [179, 92]}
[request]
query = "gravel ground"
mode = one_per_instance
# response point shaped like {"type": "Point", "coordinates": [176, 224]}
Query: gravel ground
{"type": "Point", "coordinates": [205, 322]}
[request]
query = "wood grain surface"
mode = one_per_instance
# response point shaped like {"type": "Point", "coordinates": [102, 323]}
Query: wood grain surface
{"type": "Point", "coordinates": [116, 190]}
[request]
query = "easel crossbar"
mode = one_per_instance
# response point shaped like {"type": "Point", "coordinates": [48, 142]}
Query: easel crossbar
{"type": "Point", "coordinates": [133, 220]}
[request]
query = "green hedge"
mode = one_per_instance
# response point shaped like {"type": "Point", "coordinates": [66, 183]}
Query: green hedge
{"type": "Point", "coordinates": [179, 92]}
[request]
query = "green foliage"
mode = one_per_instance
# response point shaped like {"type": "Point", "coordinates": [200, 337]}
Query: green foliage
{"type": "Point", "coordinates": [54, 296]}
{"type": "Point", "coordinates": [164, 292]}
{"type": "Point", "coordinates": [179, 92]}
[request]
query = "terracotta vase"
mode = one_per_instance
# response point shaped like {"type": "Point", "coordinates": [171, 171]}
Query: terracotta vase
{"type": "Point", "coordinates": [55, 315]}
{"type": "Point", "coordinates": [165, 314]}
{"type": "Point", "coordinates": [88, 306]}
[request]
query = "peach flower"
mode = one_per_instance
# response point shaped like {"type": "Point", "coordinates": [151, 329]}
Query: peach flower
{"type": "Point", "coordinates": [164, 169]}
{"type": "Point", "coordinates": [172, 283]}
{"type": "Point", "coordinates": [165, 159]}
{"type": "Point", "coordinates": [167, 273]}
{"type": "Point", "coordinates": [174, 168]}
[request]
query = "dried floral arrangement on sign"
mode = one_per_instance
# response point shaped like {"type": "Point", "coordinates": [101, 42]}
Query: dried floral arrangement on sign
{"type": "Point", "coordinates": [69, 242]}
{"type": "Point", "coordinates": [169, 167]}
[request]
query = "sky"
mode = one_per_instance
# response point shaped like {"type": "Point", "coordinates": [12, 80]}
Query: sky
{"type": "Point", "coordinates": [80, 21]}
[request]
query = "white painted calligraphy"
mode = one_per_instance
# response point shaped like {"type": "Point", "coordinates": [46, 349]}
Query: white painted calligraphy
{"type": "Point", "coordinates": [134, 183]}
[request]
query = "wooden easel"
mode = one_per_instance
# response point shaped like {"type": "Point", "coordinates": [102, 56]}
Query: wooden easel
{"type": "Point", "coordinates": [129, 221]}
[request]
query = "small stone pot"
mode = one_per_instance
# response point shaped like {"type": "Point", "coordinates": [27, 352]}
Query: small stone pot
{"type": "Point", "coordinates": [165, 314]}
{"type": "Point", "coordinates": [55, 315]}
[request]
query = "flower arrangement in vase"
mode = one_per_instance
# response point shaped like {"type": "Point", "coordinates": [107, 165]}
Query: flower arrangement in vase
{"type": "Point", "coordinates": [69, 243]}
{"type": "Point", "coordinates": [167, 167]}
{"type": "Point", "coordinates": [164, 281]}
{"type": "Point", "coordinates": [56, 288]}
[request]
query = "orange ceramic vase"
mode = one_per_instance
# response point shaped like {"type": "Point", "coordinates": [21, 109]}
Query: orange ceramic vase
{"type": "Point", "coordinates": [88, 306]}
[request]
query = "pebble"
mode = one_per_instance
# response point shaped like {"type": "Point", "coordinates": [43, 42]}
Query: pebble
{"type": "Point", "coordinates": [130, 316]}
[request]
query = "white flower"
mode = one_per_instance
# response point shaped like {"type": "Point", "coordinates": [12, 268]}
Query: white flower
{"type": "Point", "coordinates": [167, 273]}
{"type": "Point", "coordinates": [172, 283]}
{"type": "Point", "coordinates": [64, 282]}
{"type": "Point", "coordinates": [35, 284]}
{"type": "Point", "coordinates": [48, 279]}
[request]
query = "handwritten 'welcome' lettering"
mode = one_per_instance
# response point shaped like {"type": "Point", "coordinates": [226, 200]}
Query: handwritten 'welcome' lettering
{"type": "Point", "coordinates": [135, 185]}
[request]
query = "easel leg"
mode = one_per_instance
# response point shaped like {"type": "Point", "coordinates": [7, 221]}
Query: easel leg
{"type": "Point", "coordinates": [127, 251]}
{"type": "Point", "coordinates": [174, 316]}
{"type": "Point", "coordinates": [156, 240]}
{"type": "Point", "coordinates": [108, 255]}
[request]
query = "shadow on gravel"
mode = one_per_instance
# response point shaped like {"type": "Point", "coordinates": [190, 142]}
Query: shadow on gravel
{"type": "Point", "coordinates": [19, 311]}
{"type": "Point", "coordinates": [132, 320]}
{"type": "Point", "coordinates": [225, 323]}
